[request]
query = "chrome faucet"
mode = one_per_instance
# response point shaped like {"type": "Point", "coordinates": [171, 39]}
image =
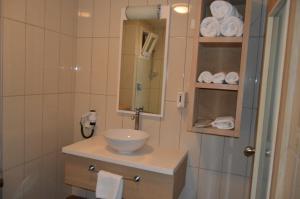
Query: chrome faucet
{"type": "Point", "coordinates": [136, 117]}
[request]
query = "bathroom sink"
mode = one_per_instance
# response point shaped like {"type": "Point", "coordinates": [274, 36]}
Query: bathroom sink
{"type": "Point", "coordinates": [126, 140]}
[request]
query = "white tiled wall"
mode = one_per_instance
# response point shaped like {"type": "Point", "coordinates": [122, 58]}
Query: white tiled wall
{"type": "Point", "coordinates": [39, 40]}
{"type": "Point", "coordinates": [217, 167]}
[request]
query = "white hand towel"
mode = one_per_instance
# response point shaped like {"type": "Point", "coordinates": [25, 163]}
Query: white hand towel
{"type": "Point", "coordinates": [226, 122]}
{"type": "Point", "coordinates": [222, 9]}
{"type": "Point", "coordinates": [219, 78]}
{"type": "Point", "coordinates": [109, 186]}
{"type": "Point", "coordinates": [232, 27]}
{"type": "Point", "coordinates": [232, 78]}
{"type": "Point", "coordinates": [210, 27]}
{"type": "Point", "coordinates": [205, 77]}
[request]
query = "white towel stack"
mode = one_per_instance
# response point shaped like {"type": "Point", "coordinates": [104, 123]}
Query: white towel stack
{"type": "Point", "coordinates": [109, 185]}
{"type": "Point", "coordinates": [205, 77]}
{"type": "Point", "coordinates": [232, 78]}
{"type": "Point", "coordinates": [226, 122]}
{"type": "Point", "coordinates": [210, 27]}
{"type": "Point", "coordinates": [218, 78]}
{"type": "Point", "coordinates": [225, 20]}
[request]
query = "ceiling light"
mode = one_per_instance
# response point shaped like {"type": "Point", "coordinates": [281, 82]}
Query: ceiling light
{"type": "Point", "coordinates": [84, 14]}
{"type": "Point", "coordinates": [181, 8]}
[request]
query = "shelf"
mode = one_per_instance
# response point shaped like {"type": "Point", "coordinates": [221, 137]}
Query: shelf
{"type": "Point", "coordinates": [215, 131]}
{"type": "Point", "coordinates": [221, 40]}
{"type": "Point", "coordinates": [229, 87]}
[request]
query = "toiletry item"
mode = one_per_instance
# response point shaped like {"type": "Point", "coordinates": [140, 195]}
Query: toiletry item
{"type": "Point", "coordinates": [222, 9]}
{"type": "Point", "coordinates": [203, 123]}
{"type": "Point", "coordinates": [232, 78]}
{"type": "Point", "coordinates": [232, 27]}
{"type": "Point", "coordinates": [218, 78]}
{"type": "Point", "coordinates": [226, 123]}
{"type": "Point", "coordinates": [109, 185]}
{"type": "Point", "coordinates": [205, 77]}
{"type": "Point", "coordinates": [210, 27]}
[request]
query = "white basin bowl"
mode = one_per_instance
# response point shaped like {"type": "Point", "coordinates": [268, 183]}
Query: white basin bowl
{"type": "Point", "coordinates": [126, 140]}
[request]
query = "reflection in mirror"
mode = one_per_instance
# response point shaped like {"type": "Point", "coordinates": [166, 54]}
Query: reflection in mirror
{"type": "Point", "coordinates": [142, 65]}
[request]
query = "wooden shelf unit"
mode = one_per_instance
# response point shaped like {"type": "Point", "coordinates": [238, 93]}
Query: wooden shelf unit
{"type": "Point", "coordinates": [229, 87]}
{"type": "Point", "coordinates": [221, 40]}
{"type": "Point", "coordinates": [218, 54]}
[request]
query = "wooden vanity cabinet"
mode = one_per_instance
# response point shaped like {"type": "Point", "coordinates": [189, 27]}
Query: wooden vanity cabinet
{"type": "Point", "coordinates": [152, 184]}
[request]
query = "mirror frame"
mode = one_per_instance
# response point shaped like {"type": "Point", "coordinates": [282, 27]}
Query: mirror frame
{"type": "Point", "coordinates": [164, 14]}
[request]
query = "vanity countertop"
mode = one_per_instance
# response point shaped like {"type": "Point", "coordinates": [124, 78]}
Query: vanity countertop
{"type": "Point", "coordinates": [156, 159]}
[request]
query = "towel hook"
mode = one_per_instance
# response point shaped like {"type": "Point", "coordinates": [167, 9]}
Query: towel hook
{"type": "Point", "coordinates": [136, 178]}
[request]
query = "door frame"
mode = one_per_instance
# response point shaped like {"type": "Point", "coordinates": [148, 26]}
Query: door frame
{"type": "Point", "coordinates": [285, 107]}
{"type": "Point", "coordinates": [263, 96]}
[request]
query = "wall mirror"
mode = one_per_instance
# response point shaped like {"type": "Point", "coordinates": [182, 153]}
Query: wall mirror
{"type": "Point", "coordinates": [143, 59]}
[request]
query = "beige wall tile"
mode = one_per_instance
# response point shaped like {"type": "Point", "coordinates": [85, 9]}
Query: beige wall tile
{"type": "Point", "coordinates": [13, 131]}
{"type": "Point", "coordinates": [113, 66]}
{"type": "Point", "coordinates": [99, 65]}
{"type": "Point", "coordinates": [101, 18]}
{"type": "Point", "coordinates": [66, 73]}
{"type": "Point", "coordinates": [33, 174]}
{"type": "Point", "coordinates": [82, 106]}
{"type": "Point", "coordinates": [113, 119]}
{"type": "Point", "coordinates": [128, 123]}
{"type": "Point", "coordinates": [191, 184]}
{"type": "Point", "coordinates": [230, 184]}
{"type": "Point", "coordinates": [35, 12]}
{"type": "Point", "coordinates": [157, 2]}
{"type": "Point", "coordinates": [151, 126]}
{"type": "Point", "coordinates": [33, 127]}
{"type": "Point", "coordinates": [191, 28]}
{"type": "Point", "coordinates": [14, 9]}
{"type": "Point", "coordinates": [84, 54]}
{"type": "Point", "coordinates": [234, 161]}
{"type": "Point", "coordinates": [85, 18]}
{"type": "Point", "coordinates": [211, 152]}
{"type": "Point", "coordinates": [192, 143]}
{"type": "Point", "coordinates": [115, 16]}
{"type": "Point", "coordinates": [170, 127]}
{"type": "Point", "coordinates": [68, 15]}
{"type": "Point", "coordinates": [13, 69]}
{"type": "Point", "coordinates": [49, 178]}
{"type": "Point", "coordinates": [62, 189]}
{"type": "Point", "coordinates": [14, 179]}
{"type": "Point", "coordinates": [137, 2]}
{"type": "Point", "coordinates": [34, 60]}
{"type": "Point", "coordinates": [175, 67]}
{"type": "Point", "coordinates": [50, 123]}
{"type": "Point", "coordinates": [53, 15]}
{"type": "Point", "coordinates": [51, 67]}
{"type": "Point", "coordinates": [178, 27]}
{"type": "Point", "coordinates": [98, 103]}
{"type": "Point", "coordinates": [208, 188]}
{"type": "Point", "coordinates": [65, 119]}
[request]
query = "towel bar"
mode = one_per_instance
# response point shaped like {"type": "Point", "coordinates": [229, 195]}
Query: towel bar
{"type": "Point", "coordinates": [137, 178]}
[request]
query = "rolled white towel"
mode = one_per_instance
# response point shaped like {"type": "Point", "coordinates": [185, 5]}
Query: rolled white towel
{"type": "Point", "coordinates": [222, 9]}
{"type": "Point", "coordinates": [205, 77]}
{"type": "Point", "coordinates": [226, 122]}
{"type": "Point", "coordinates": [232, 27]}
{"type": "Point", "coordinates": [219, 78]}
{"type": "Point", "coordinates": [232, 78]}
{"type": "Point", "coordinates": [210, 27]}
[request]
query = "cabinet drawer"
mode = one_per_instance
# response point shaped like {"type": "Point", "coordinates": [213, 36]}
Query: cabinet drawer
{"type": "Point", "coordinates": [152, 185]}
